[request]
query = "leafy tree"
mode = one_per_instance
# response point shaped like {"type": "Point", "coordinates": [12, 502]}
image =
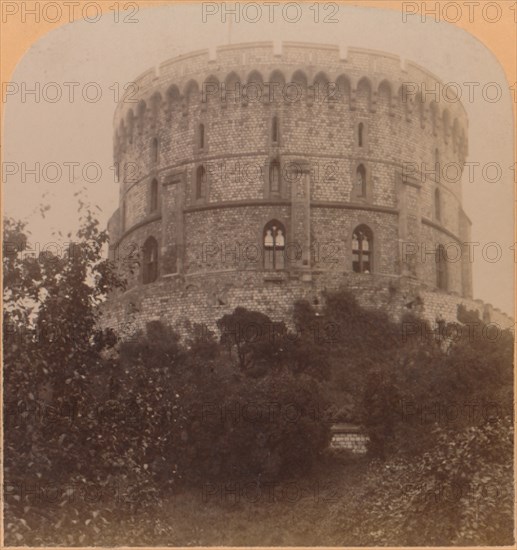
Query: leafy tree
{"type": "Point", "coordinates": [52, 349]}
{"type": "Point", "coordinates": [253, 335]}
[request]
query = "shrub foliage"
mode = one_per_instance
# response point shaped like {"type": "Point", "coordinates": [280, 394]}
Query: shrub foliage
{"type": "Point", "coordinates": [96, 429]}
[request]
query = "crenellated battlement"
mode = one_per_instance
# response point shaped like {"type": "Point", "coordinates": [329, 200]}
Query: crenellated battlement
{"type": "Point", "coordinates": [305, 64]}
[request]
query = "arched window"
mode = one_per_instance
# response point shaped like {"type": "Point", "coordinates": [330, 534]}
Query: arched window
{"type": "Point", "coordinates": [154, 196]}
{"type": "Point", "coordinates": [150, 261]}
{"type": "Point", "coordinates": [360, 132]}
{"type": "Point", "coordinates": [156, 101]}
{"type": "Point", "coordinates": [362, 249]}
{"type": "Point", "coordinates": [273, 239]}
{"type": "Point", "coordinates": [232, 89]}
{"type": "Point", "coordinates": [200, 182]}
{"type": "Point", "coordinates": [154, 150]}
{"type": "Point", "coordinates": [360, 181]}
{"type": "Point", "coordinates": [441, 267]}
{"type": "Point", "coordinates": [437, 205]}
{"type": "Point", "coordinates": [274, 129]}
{"type": "Point", "coordinates": [201, 136]}
{"type": "Point", "coordinates": [274, 177]}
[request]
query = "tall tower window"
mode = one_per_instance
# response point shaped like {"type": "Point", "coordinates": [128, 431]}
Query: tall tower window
{"type": "Point", "coordinates": [154, 150]}
{"type": "Point", "coordinates": [201, 136]}
{"type": "Point", "coordinates": [360, 181]}
{"type": "Point", "coordinates": [274, 177]}
{"type": "Point", "coordinates": [200, 183]}
{"type": "Point", "coordinates": [441, 267]}
{"type": "Point", "coordinates": [274, 129]}
{"type": "Point", "coordinates": [154, 196]}
{"type": "Point", "coordinates": [274, 245]}
{"type": "Point", "coordinates": [150, 261]}
{"type": "Point", "coordinates": [362, 249]}
{"type": "Point", "coordinates": [360, 132]}
{"type": "Point", "coordinates": [437, 168]}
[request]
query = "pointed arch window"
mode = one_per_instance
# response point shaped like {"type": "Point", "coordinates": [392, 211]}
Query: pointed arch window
{"type": "Point", "coordinates": [150, 261]}
{"type": "Point", "coordinates": [154, 196]}
{"type": "Point", "coordinates": [441, 267]}
{"type": "Point", "coordinates": [200, 183]}
{"type": "Point", "coordinates": [362, 249]}
{"type": "Point", "coordinates": [360, 181]}
{"type": "Point", "coordinates": [273, 239]}
{"type": "Point", "coordinates": [274, 130]}
{"type": "Point", "coordinates": [274, 177]}
{"type": "Point", "coordinates": [201, 136]}
{"type": "Point", "coordinates": [360, 134]}
{"type": "Point", "coordinates": [154, 150]}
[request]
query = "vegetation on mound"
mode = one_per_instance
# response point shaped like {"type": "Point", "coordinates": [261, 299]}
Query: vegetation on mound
{"type": "Point", "coordinates": [108, 442]}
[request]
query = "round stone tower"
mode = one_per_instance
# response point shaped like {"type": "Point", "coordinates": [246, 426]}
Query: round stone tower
{"type": "Point", "coordinates": [254, 176]}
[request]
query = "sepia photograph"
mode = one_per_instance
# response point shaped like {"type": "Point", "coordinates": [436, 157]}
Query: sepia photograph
{"type": "Point", "coordinates": [258, 273]}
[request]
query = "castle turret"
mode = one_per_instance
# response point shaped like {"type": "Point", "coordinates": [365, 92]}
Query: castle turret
{"type": "Point", "coordinates": [254, 177]}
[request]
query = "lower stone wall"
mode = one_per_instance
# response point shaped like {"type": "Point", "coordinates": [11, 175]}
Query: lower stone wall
{"type": "Point", "coordinates": [176, 300]}
{"type": "Point", "coordinates": [203, 299]}
{"type": "Point", "coordinates": [440, 305]}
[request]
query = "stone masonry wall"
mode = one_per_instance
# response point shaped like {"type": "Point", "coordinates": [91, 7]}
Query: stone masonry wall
{"type": "Point", "coordinates": [201, 112]}
{"type": "Point", "coordinates": [348, 437]}
{"type": "Point", "coordinates": [203, 299]}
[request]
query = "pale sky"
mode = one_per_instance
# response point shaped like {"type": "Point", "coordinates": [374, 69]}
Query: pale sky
{"type": "Point", "coordinates": [112, 54]}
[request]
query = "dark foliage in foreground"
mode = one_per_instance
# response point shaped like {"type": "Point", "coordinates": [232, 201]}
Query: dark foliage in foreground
{"type": "Point", "coordinates": [131, 422]}
{"type": "Point", "coordinates": [438, 409]}
{"type": "Point", "coordinates": [99, 434]}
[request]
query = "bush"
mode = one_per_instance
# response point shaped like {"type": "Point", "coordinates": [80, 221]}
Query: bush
{"type": "Point", "coordinates": [203, 420]}
{"type": "Point", "coordinates": [258, 428]}
{"type": "Point", "coordinates": [460, 494]}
